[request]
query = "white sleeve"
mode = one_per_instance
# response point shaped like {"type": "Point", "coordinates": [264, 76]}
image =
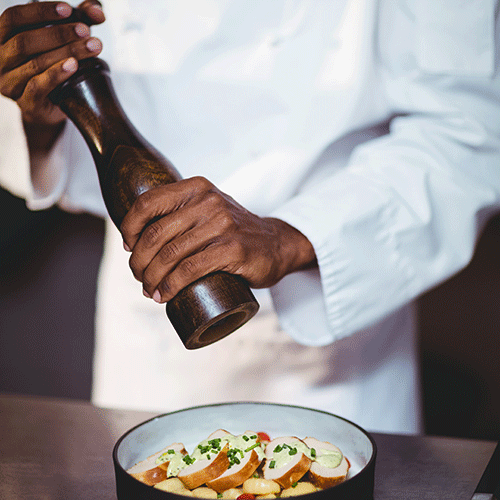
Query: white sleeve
{"type": "Point", "coordinates": [67, 179]}
{"type": "Point", "coordinates": [405, 213]}
{"type": "Point", "coordinates": [14, 157]}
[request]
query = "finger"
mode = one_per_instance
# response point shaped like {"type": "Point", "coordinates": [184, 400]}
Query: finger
{"type": "Point", "coordinates": [212, 230]}
{"type": "Point", "coordinates": [31, 14]}
{"type": "Point", "coordinates": [151, 268]}
{"type": "Point", "coordinates": [93, 9]}
{"type": "Point", "coordinates": [157, 235]}
{"type": "Point", "coordinates": [154, 204]}
{"type": "Point", "coordinates": [27, 44]}
{"type": "Point", "coordinates": [14, 83]}
{"type": "Point", "coordinates": [189, 270]}
{"type": "Point", "coordinates": [38, 87]}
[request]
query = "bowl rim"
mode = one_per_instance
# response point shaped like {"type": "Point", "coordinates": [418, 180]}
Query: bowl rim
{"type": "Point", "coordinates": [368, 465]}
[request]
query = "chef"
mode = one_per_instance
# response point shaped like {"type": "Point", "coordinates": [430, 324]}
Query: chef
{"type": "Point", "coordinates": [342, 157]}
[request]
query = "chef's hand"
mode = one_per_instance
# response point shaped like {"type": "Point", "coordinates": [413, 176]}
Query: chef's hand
{"type": "Point", "coordinates": [197, 229]}
{"type": "Point", "coordinates": [34, 62]}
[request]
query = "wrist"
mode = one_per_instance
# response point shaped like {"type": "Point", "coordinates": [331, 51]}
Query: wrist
{"type": "Point", "coordinates": [294, 248]}
{"type": "Point", "coordinates": [42, 137]}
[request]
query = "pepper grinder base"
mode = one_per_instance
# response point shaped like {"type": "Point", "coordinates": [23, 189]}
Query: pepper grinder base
{"type": "Point", "coordinates": [211, 308]}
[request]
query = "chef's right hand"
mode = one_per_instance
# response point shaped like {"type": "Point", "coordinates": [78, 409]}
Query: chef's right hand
{"type": "Point", "coordinates": [35, 61]}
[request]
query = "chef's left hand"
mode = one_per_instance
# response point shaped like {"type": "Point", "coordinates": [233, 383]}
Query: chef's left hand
{"type": "Point", "coordinates": [197, 230]}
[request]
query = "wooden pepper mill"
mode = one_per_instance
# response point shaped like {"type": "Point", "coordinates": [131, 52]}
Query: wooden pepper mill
{"type": "Point", "coordinates": [211, 307]}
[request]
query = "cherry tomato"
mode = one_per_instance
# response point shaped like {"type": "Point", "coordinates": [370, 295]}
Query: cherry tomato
{"type": "Point", "coordinates": [246, 496]}
{"type": "Point", "coordinates": [263, 436]}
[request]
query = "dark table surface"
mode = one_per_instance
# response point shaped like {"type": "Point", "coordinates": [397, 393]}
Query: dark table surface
{"type": "Point", "coordinates": [61, 449]}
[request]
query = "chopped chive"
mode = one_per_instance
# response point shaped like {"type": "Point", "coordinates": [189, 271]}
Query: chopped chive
{"type": "Point", "coordinates": [252, 447]}
{"type": "Point", "coordinates": [272, 464]}
{"type": "Point", "coordinates": [278, 449]}
{"type": "Point", "coordinates": [188, 460]}
{"type": "Point", "coordinates": [294, 484]}
{"type": "Point", "coordinates": [215, 443]}
{"type": "Point", "coordinates": [246, 438]}
{"type": "Point", "coordinates": [313, 452]}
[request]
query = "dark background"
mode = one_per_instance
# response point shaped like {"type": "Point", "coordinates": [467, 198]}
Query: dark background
{"type": "Point", "coordinates": [48, 269]}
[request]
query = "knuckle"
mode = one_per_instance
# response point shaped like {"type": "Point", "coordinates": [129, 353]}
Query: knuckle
{"type": "Point", "coordinates": [31, 89]}
{"type": "Point", "coordinates": [132, 262]}
{"type": "Point", "coordinates": [61, 34]}
{"type": "Point", "coordinates": [8, 17]}
{"type": "Point", "coordinates": [225, 220]}
{"type": "Point", "coordinates": [147, 281]}
{"type": "Point", "coordinates": [75, 50]}
{"type": "Point", "coordinates": [18, 44]}
{"type": "Point", "coordinates": [152, 234]}
{"type": "Point", "coordinates": [201, 184]}
{"type": "Point", "coordinates": [143, 202]}
{"type": "Point", "coordinates": [16, 91]}
{"type": "Point", "coordinates": [213, 198]}
{"type": "Point", "coordinates": [34, 66]}
{"type": "Point", "coordinates": [235, 248]}
{"type": "Point", "coordinates": [165, 288]}
{"type": "Point", "coordinates": [6, 89]}
{"type": "Point", "coordinates": [188, 267]}
{"type": "Point", "coordinates": [168, 253]}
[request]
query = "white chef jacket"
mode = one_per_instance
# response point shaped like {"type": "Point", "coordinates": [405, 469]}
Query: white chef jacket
{"type": "Point", "coordinates": [372, 126]}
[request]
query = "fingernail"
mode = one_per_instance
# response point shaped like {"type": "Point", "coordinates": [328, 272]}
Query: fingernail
{"type": "Point", "coordinates": [64, 10]}
{"type": "Point", "coordinates": [157, 296]}
{"type": "Point", "coordinates": [82, 30]}
{"type": "Point", "coordinates": [94, 45]}
{"type": "Point", "coordinates": [126, 247]}
{"type": "Point", "coordinates": [70, 65]}
{"type": "Point", "coordinates": [146, 294]}
{"type": "Point", "coordinates": [97, 9]}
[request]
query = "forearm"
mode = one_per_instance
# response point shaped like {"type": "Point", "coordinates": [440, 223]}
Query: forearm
{"type": "Point", "coordinates": [40, 140]}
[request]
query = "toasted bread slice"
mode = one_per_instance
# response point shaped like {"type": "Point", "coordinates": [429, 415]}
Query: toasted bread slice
{"type": "Point", "coordinates": [297, 464]}
{"type": "Point", "coordinates": [237, 474]}
{"type": "Point", "coordinates": [320, 475]}
{"type": "Point", "coordinates": [149, 472]}
{"type": "Point", "coordinates": [204, 470]}
{"type": "Point", "coordinates": [246, 456]}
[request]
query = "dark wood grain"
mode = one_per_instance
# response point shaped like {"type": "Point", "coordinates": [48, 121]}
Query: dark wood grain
{"type": "Point", "coordinates": [208, 309]}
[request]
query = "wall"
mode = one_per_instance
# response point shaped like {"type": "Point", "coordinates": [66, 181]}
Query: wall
{"type": "Point", "coordinates": [48, 269]}
{"type": "Point", "coordinates": [460, 345]}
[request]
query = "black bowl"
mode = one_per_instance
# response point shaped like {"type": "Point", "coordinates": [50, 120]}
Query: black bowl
{"type": "Point", "coordinates": [192, 425]}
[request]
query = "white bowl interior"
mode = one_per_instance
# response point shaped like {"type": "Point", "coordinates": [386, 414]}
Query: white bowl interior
{"type": "Point", "coordinates": [193, 425]}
